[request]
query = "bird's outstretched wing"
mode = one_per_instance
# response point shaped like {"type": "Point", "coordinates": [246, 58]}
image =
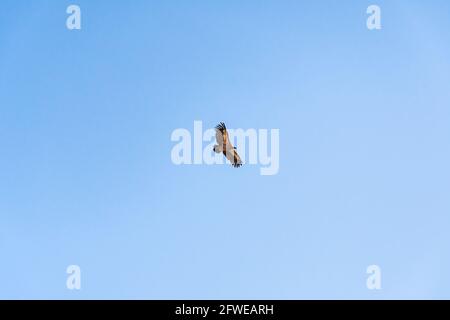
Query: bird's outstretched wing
{"type": "Point", "coordinates": [234, 158]}
{"type": "Point", "coordinates": [221, 134]}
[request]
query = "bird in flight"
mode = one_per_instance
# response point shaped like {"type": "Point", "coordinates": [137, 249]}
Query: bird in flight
{"type": "Point", "coordinates": [224, 145]}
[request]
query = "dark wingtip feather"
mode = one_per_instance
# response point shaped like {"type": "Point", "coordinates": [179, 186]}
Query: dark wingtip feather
{"type": "Point", "coordinates": [221, 126]}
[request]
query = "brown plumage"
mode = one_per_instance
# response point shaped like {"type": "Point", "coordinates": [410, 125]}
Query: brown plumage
{"type": "Point", "coordinates": [224, 145]}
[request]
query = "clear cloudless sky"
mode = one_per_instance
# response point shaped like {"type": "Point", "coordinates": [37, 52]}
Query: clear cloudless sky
{"type": "Point", "coordinates": [86, 176]}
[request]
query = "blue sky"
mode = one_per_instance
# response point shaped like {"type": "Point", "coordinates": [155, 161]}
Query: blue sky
{"type": "Point", "coordinates": [86, 176]}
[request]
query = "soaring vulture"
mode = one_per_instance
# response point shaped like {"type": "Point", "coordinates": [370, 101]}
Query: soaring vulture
{"type": "Point", "coordinates": [223, 145]}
